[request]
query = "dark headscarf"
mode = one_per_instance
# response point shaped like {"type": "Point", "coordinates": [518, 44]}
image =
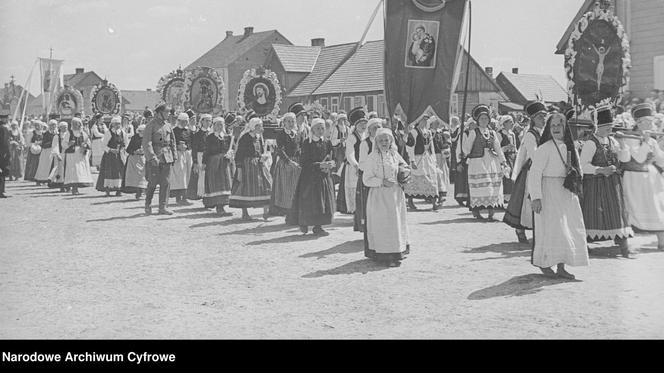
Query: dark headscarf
{"type": "Point", "coordinates": [568, 141]}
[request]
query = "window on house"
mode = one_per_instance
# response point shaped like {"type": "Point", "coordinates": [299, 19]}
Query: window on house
{"type": "Point", "coordinates": [381, 106]}
{"type": "Point", "coordinates": [359, 101]}
{"type": "Point", "coordinates": [334, 104]}
{"type": "Point", "coordinates": [348, 104]}
{"type": "Point", "coordinates": [659, 72]}
{"type": "Point", "coordinates": [371, 103]}
{"type": "Point", "coordinates": [323, 103]}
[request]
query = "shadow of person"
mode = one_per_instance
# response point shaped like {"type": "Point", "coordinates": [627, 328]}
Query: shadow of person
{"type": "Point", "coordinates": [518, 286]}
{"type": "Point", "coordinates": [261, 229]}
{"type": "Point", "coordinates": [363, 266]}
{"type": "Point", "coordinates": [206, 215]}
{"type": "Point", "coordinates": [116, 201]}
{"type": "Point", "coordinates": [96, 196]}
{"type": "Point", "coordinates": [349, 247]}
{"type": "Point", "coordinates": [287, 239]}
{"type": "Point", "coordinates": [224, 223]}
{"type": "Point", "coordinates": [456, 221]}
{"type": "Point", "coordinates": [117, 218]}
{"type": "Point", "coordinates": [506, 249]}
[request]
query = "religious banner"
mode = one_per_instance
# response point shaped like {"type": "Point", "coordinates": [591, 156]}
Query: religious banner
{"type": "Point", "coordinates": [106, 99]}
{"type": "Point", "coordinates": [260, 91]}
{"type": "Point", "coordinates": [597, 58]}
{"type": "Point", "coordinates": [69, 101]}
{"type": "Point", "coordinates": [204, 90]}
{"type": "Point", "coordinates": [51, 79]}
{"type": "Point", "coordinates": [421, 47]}
{"type": "Point", "coordinates": [172, 89]}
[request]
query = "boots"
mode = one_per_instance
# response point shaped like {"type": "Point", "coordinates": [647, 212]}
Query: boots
{"type": "Point", "coordinates": [411, 205]}
{"type": "Point", "coordinates": [521, 235]}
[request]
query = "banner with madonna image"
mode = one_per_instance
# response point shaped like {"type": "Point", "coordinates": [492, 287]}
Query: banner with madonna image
{"type": "Point", "coordinates": [171, 89]}
{"type": "Point", "coordinates": [106, 99]}
{"type": "Point", "coordinates": [204, 91]}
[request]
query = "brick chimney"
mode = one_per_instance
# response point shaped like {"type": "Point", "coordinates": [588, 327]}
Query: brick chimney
{"type": "Point", "coordinates": [515, 70]}
{"type": "Point", "coordinates": [248, 31]}
{"type": "Point", "coordinates": [149, 89]}
{"type": "Point", "coordinates": [80, 70]}
{"type": "Point", "coordinates": [229, 34]}
{"type": "Point", "coordinates": [319, 42]}
{"type": "Point", "coordinates": [489, 71]}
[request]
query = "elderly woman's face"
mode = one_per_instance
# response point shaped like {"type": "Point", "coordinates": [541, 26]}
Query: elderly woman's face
{"type": "Point", "coordinates": [206, 123]}
{"type": "Point", "coordinates": [372, 130]}
{"type": "Point", "coordinates": [289, 123]}
{"type": "Point", "coordinates": [259, 128]}
{"type": "Point", "coordinates": [558, 127]}
{"type": "Point", "coordinates": [318, 131]}
{"type": "Point", "coordinates": [218, 127]}
{"type": "Point", "coordinates": [384, 143]}
{"type": "Point", "coordinates": [508, 125]}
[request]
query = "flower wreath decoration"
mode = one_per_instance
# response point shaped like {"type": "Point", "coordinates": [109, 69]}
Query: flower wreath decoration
{"type": "Point", "coordinates": [267, 75]}
{"type": "Point", "coordinates": [211, 74]}
{"type": "Point", "coordinates": [167, 81]}
{"type": "Point", "coordinates": [98, 88]}
{"type": "Point", "coordinates": [75, 94]}
{"type": "Point", "coordinates": [598, 13]}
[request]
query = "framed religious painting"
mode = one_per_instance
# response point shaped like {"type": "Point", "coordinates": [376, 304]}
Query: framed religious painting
{"type": "Point", "coordinates": [204, 91]}
{"type": "Point", "coordinates": [106, 99]}
{"type": "Point", "coordinates": [597, 59]}
{"type": "Point", "coordinates": [421, 44]}
{"type": "Point", "coordinates": [171, 89]}
{"type": "Point", "coordinates": [260, 91]}
{"type": "Point", "coordinates": [69, 101]}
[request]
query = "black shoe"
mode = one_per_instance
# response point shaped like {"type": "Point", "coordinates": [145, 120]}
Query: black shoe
{"type": "Point", "coordinates": [118, 194]}
{"type": "Point", "coordinates": [522, 237]}
{"type": "Point", "coordinates": [304, 229]}
{"type": "Point", "coordinates": [548, 272]}
{"type": "Point", "coordinates": [411, 205]}
{"type": "Point", "coordinates": [477, 215]}
{"type": "Point", "coordinates": [318, 231]}
{"type": "Point", "coordinates": [148, 210]}
{"type": "Point", "coordinates": [2, 195]}
{"type": "Point", "coordinates": [165, 212]}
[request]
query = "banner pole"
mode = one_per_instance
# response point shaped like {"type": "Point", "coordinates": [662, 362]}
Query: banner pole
{"type": "Point", "coordinates": [465, 90]}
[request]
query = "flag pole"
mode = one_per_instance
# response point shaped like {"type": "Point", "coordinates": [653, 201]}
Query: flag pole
{"type": "Point", "coordinates": [465, 90]}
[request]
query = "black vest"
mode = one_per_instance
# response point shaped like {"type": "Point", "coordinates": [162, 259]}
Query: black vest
{"type": "Point", "coordinates": [358, 141]}
{"type": "Point", "coordinates": [47, 142]}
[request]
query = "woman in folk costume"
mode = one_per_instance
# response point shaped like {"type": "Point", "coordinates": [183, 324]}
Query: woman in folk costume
{"type": "Point", "coordinates": [216, 168]}
{"type": "Point", "coordinates": [427, 182]}
{"type": "Point", "coordinates": [362, 191]}
{"type": "Point", "coordinates": [439, 145]}
{"type": "Point", "coordinates": [97, 131]}
{"type": "Point", "coordinates": [196, 187]}
{"type": "Point", "coordinates": [252, 183]}
{"type": "Point", "coordinates": [387, 231]}
{"type": "Point", "coordinates": [340, 133]}
{"type": "Point", "coordinates": [134, 174]}
{"type": "Point", "coordinates": [643, 183]}
{"type": "Point", "coordinates": [519, 212]}
{"type": "Point", "coordinates": [112, 168]}
{"type": "Point", "coordinates": [16, 145]}
{"type": "Point", "coordinates": [507, 139]}
{"type": "Point", "coordinates": [48, 155]}
{"type": "Point", "coordinates": [77, 158]}
{"type": "Point", "coordinates": [314, 202]}
{"type": "Point", "coordinates": [57, 176]}
{"type": "Point", "coordinates": [287, 168]}
{"type": "Point", "coordinates": [181, 169]}
{"type": "Point", "coordinates": [300, 119]}
{"type": "Point", "coordinates": [350, 171]}
{"type": "Point", "coordinates": [485, 165]}
{"type": "Point", "coordinates": [603, 207]}
{"type": "Point", "coordinates": [560, 234]}
{"type": "Point", "coordinates": [34, 151]}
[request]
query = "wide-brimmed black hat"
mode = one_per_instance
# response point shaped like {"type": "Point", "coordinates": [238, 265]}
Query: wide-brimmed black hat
{"type": "Point", "coordinates": [481, 109]}
{"type": "Point", "coordinates": [604, 116]}
{"type": "Point", "coordinates": [357, 115]}
{"type": "Point", "coordinates": [297, 109]}
{"type": "Point", "coordinates": [533, 108]}
{"type": "Point", "coordinates": [642, 110]}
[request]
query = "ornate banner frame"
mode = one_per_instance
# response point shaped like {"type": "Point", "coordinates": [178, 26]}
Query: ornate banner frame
{"type": "Point", "coordinates": [260, 77]}
{"type": "Point", "coordinates": [599, 13]}
{"type": "Point", "coordinates": [63, 100]}
{"type": "Point", "coordinates": [172, 89]}
{"type": "Point", "coordinates": [210, 99]}
{"type": "Point", "coordinates": [107, 108]}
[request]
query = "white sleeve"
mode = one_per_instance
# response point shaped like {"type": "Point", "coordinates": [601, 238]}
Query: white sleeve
{"type": "Point", "coordinates": [334, 136]}
{"type": "Point", "coordinates": [540, 160]}
{"type": "Point", "coordinates": [350, 151]}
{"type": "Point", "coordinates": [659, 154]}
{"type": "Point", "coordinates": [586, 158]}
{"type": "Point", "coordinates": [499, 150]}
{"type": "Point", "coordinates": [105, 140]}
{"type": "Point", "coordinates": [641, 153]}
{"type": "Point", "coordinates": [55, 148]}
{"type": "Point", "coordinates": [468, 141]}
{"type": "Point", "coordinates": [364, 152]}
{"type": "Point", "coordinates": [370, 177]}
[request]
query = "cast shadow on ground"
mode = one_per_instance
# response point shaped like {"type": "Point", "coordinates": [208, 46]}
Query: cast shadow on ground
{"type": "Point", "coordinates": [363, 266]}
{"type": "Point", "coordinates": [518, 286]}
{"type": "Point", "coordinates": [9, 185]}
{"type": "Point", "coordinates": [287, 239]}
{"type": "Point", "coordinates": [94, 196]}
{"type": "Point", "coordinates": [46, 195]}
{"type": "Point", "coordinates": [141, 215]}
{"type": "Point", "coordinates": [205, 215]}
{"type": "Point", "coordinates": [506, 249]}
{"type": "Point", "coordinates": [116, 201]}
{"type": "Point", "coordinates": [349, 247]}
{"type": "Point", "coordinates": [224, 223]}
{"type": "Point", "coordinates": [261, 229]}
{"type": "Point", "coordinates": [456, 221]}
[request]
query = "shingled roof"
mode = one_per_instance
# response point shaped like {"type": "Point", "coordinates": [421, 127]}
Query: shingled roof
{"type": "Point", "coordinates": [297, 59]}
{"type": "Point", "coordinates": [363, 72]}
{"type": "Point", "coordinates": [328, 61]}
{"type": "Point", "coordinates": [526, 87]}
{"type": "Point", "coordinates": [231, 48]}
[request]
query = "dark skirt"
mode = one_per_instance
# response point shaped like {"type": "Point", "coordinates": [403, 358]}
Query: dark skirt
{"type": "Point", "coordinates": [515, 207]}
{"type": "Point", "coordinates": [254, 189]}
{"type": "Point", "coordinates": [196, 186]}
{"type": "Point", "coordinates": [508, 183]}
{"type": "Point", "coordinates": [15, 164]}
{"type": "Point", "coordinates": [604, 213]}
{"type": "Point", "coordinates": [461, 192]}
{"type": "Point", "coordinates": [217, 181]}
{"type": "Point", "coordinates": [31, 165]}
{"type": "Point", "coordinates": [111, 173]}
{"type": "Point", "coordinates": [341, 195]}
{"type": "Point", "coordinates": [361, 196]}
{"type": "Point", "coordinates": [314, 203]}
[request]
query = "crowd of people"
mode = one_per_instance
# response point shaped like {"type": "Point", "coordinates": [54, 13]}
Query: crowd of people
{"type": "Point", "coordinates": [569, 189]}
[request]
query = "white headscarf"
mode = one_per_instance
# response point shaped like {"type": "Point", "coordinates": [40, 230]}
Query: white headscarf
{"type": "Point", "coordinates": [250, 126]}
{"type": "Point", "coordinates": [315, 123]}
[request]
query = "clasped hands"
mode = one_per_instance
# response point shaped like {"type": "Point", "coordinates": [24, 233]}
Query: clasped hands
{"type": "Point", "coordinates": [326, 166]}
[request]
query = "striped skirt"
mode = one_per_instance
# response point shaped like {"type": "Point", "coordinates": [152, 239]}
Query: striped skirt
{"type": "Point", "coordinates": [217, 181]}
{"type": "Point", "coordinates": [603, 208]}
{"type": "Point", "coordinates": [196, 187]}
{"type": "Point", "coordinates": [286, 176]}
{"type": "Point", "coordinates": [110, 173]}
{"type": "Point", "coordinates": [31, 165]}
{"type": "Point", "coordinates": [254, 188]}
{"type": "Point", "coordinates": [485, 182]}
{"type": "Point", "coordinates": [15, 162]}
{"type": "Point", "coordinates": [46, 164]}
{"type": "Point", "coordinates": [519, 211]}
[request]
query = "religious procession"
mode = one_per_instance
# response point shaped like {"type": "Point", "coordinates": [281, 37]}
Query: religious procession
{"type": "Point", "coordinates": [558, 174]}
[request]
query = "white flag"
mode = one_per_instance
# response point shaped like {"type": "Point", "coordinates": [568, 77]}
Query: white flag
{"type": "Point", "coordinates": [51, 79]}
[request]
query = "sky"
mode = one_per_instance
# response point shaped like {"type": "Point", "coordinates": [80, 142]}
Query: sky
{"type": "Point", "coordinates": [133, 43]}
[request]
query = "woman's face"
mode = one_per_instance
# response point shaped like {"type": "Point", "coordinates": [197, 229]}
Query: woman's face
{"type": "Point", "coordinates": [483, 121]}
{"type": "Point", "coordinates": [372, 131]}
{"type": "Point", "coordinates": [508, 125]}
{"type": "Point", "coordinates": [384, 143]}
{"type": "Point", "coordinates": [218, 127]}
{"type": "Point", "coordinates": [318, 131]}
{"type": "Point", "coordinates": [361, 127]}
{"type": "Point", "coordinates": [259, 128]}
{"type": "Point", "coordinates": [289, 123]}
{"type": "Point", "coordinates": [182, 123]}
{"type": "Point", "coordinates": [604, 131]}
{"type": "Point", "coordinates": [558, 128]}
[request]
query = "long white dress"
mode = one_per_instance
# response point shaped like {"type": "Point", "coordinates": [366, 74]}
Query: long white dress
{"type": "Point", "coordinates": [350, 180]}
{"type": "Point", "coordinates": [643, 191]}
{"type": "Point", "coordinates": [485, 175]}
{"type": "Point", "coordinates": [387, 231]}
{"type": "Point", "coordinates": [560, 233]}
{"type": "Point", "coordinates": [77, 164]}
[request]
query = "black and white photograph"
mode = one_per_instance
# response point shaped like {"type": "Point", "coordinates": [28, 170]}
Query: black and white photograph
{"type": "Point", "coordinates": [331, 170]}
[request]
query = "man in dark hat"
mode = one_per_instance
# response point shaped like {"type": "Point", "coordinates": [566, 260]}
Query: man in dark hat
{"type": "Point", "coordinates": [519, 210]}
{"type": "Point", "coordinates": [160, 154]}
{"type": "Point", "coordinates": [4, 154]}
{"type": "Point", "coordinates": [300, 119]}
